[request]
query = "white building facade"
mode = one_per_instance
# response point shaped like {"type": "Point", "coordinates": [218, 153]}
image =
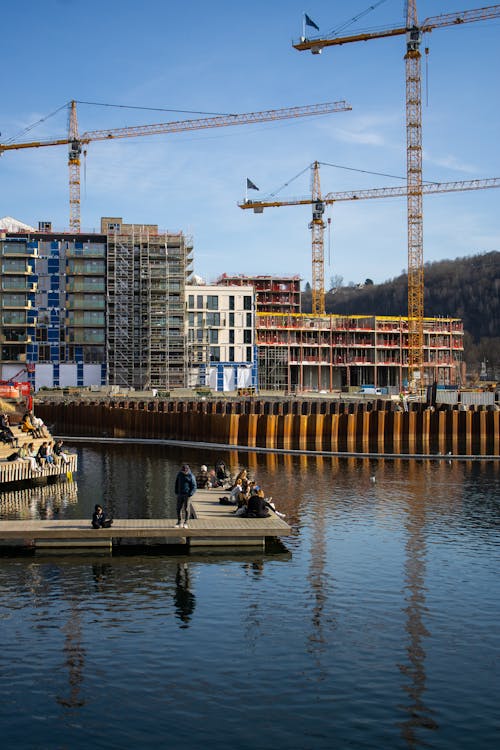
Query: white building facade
{"type": "Point", "coordinates": [220, 323]}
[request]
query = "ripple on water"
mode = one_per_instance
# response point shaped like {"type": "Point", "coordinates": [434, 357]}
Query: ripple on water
{"type": "Point", "coordinates": [379, 629]}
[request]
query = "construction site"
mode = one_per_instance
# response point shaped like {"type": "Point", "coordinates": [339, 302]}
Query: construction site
{"type": "Point", "coordinates": [110, 309]}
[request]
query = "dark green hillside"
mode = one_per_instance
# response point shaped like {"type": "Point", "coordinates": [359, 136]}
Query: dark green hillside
{"type": "Point", "coordinates": [467, 288]}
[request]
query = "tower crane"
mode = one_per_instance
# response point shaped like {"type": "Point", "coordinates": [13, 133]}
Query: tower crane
{"type": "Point", "coordinates": [319, 202]}
{"type": "Point", "coordinates": [77, 141]}
{"type": "Point", "coordinates": [413, 32]}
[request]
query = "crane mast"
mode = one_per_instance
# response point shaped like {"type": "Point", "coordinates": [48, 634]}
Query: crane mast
{"type": "Point", "coordinates": [74, 152]}
{"type": "Point", "coordinates": [317, 227]}
{"type": "Point", "coordinates": [413, 65]}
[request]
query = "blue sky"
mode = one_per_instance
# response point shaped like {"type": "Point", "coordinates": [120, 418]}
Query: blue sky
{"type": "Point", "coordinates": [232, 57]}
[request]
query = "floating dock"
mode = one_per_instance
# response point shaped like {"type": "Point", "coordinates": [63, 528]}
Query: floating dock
{"type": "Point", "coordinates": [212, 525]}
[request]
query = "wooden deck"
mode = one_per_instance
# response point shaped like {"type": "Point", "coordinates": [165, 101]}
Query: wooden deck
{"type": "Point", "coordinates": [213, 525]}
{"type": "Point", "coordinates": [20, 470]}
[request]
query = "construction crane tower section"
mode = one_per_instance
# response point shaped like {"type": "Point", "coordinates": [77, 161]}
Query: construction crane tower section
{"type": "Point", "coordinates": [317, 227]}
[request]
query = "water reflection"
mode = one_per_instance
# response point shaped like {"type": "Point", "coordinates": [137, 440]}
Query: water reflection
{"type": "Point", "coordinates": [420, 715]}
{"type": "Point", "coordinates": [74, 657]}
{"type": "Point", "coordinates": [346, 637]}
{"type": "Point", "coordinates": [184, 598]}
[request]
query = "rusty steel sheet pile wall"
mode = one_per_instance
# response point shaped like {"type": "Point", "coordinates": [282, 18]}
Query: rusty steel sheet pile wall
{"type": "Point", "coordinates": [378, 427]}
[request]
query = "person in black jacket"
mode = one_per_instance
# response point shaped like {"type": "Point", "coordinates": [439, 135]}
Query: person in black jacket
{"type": "Point", "coordinates": [99, 518]}
{"type": "Point", "coordinates": [257, 506]}
{"type": "Point", "coordinates": [185, 487]}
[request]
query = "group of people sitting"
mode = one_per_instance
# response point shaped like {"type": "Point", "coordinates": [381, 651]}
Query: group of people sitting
{"type": "Point", "coordinates": [33, 426]}
{"type": "Point", "coordinates": [49, 452]}
{"type": "Point", "coordinates": [208, 479]}
{"type": "Point", "coordinates": [30, 425]}
{"type": "Point", "coordinates": [250, 499]}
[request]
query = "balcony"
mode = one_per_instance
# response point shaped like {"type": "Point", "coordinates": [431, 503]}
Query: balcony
{"type": "Point", "coordinates": [19, 268]}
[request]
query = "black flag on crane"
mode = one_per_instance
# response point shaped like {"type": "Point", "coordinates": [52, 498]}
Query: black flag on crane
{"type": "Point", "coordinates": [251, 185]}
{"type": "Point", "coordinates": [310, 22]}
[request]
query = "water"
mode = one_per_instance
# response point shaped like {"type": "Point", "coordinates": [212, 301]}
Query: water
{"type": "Point", "coordinates": [377, 628]}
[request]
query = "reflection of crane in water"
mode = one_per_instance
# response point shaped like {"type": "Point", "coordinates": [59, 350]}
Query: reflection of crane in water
{"type": "Point", "coordinates": [318, 579]}
{"type": "Point", "coordinates": [74, 657]}
{"type": "Point", "coordinates": [419, 715]}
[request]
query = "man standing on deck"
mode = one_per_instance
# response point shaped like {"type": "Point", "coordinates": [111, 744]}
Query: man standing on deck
{"type": "Point", "coordinates": [185, 487]}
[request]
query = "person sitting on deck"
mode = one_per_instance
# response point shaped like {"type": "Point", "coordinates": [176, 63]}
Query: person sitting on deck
{"type": "Point", "coordinates": [243, 478]}
{"type": "Point", "coordinates": [235, 496]}
{"type": "Point", "coordinates": [212, 479]}
{"type": "Point", "coordinates": [59, 455]}
{"type": "Point", "coordinates": [27, 453]}
{"type": "Point", "coordinates": [50, 452]}
{"type": "Point", "coordinates": [257, 507]}
{"type": "Point", "coordinates": [43, 456]}
{"type": "Point", "coordinates": [28, 427]}
{"type": "Point", "coordinates": [39, 426]}
{"type": "Point", "coordinates": [6, 434]}
{"type": "Point", "coordinates": [202, 478]}
{"type": "Point", "coordinates": [221, 472]}
{"type": "Point", "coordinates": [100, 519]}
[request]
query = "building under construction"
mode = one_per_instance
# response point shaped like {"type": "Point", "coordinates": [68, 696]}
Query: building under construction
{"type": "Point", "coordinates": [298, 353]}
{"type": "Point", "coordinates": [279, 294]}
{"type": "Point", "coordinates": [147, 272]}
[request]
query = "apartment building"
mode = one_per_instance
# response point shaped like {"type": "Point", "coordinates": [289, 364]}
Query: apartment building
{"type": "Point", "coordinates": [94, 309]}
{"type": "Point", "coordinates": [220, 326]}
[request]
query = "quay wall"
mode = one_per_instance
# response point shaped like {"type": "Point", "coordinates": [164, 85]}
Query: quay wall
{"type": "Point", "coordinates": [331, 426]}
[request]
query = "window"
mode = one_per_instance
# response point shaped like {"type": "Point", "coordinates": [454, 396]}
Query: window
{"type": "Point", "coordinates": [191, 320]}
{"type": "Point", "coordinates": [231, 320]}
{"type": "Point", "coordinates": [249, 320]}
{"type": "Point", "coordinates": [215, 354]}
{"type": "Point", "coordinates": [213, 319]}
{"type": "Point", "coordinates": [249, 353]}
{"type": "Point", "coordinates": [231, 301]}
{"type": "Point", "coordinates": [212, 302]}
{"type": "Point", "coordinates": [191, 301]}
{"type": "Point", "coordinates": [231, 337]}
{"type": "Point", "coordinates": [199, 301]}
{"type": "Point", "coordinates": [231, 353]}
{"type": "Point", "coordinates": [247, 336]}
{"type": "Point", "coordinates": [213, 336]}
{"type": "Point", "coordinates": [247, 302]}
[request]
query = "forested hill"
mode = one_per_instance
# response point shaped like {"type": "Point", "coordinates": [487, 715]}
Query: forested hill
{"type": "Point", "coordinates": [466, 288]}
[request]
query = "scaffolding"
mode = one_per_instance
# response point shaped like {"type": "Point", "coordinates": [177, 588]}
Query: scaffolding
{"type": "Point", "coordinates": [120, 308]}
{"type": "Point", "coordinates": [147, 272]}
